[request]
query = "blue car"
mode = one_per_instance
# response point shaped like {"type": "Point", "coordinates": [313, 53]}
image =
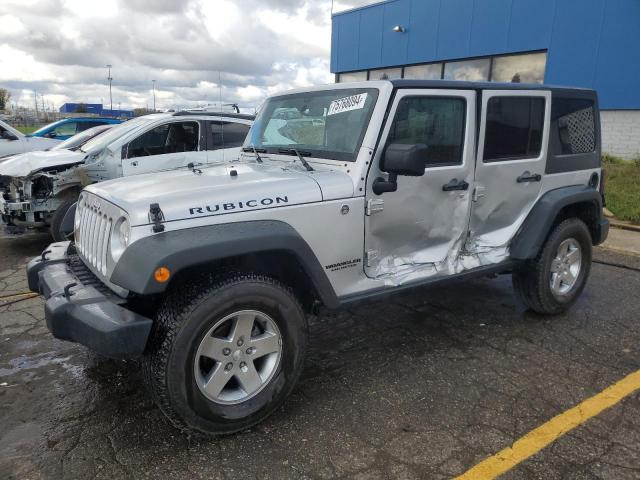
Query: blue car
{"type": "Point", "coordinates": [68, 127]}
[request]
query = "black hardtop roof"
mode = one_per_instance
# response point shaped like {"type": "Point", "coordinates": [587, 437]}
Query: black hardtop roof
{"type": "Point", "coordinates": [460, 85]}
{"type": "Point", "coordinates": [242, 116]}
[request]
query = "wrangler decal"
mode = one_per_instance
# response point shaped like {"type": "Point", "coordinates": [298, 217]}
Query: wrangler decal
{"type": "Point", "coordinates": [229, 206]}
{"type": "Point", "coordinates": [334, 267]}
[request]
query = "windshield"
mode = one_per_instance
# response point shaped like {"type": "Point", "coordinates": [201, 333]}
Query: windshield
{"type": "Point", "coordinates": [101, 141]}
{"type": "Point", "coordinates": [81, 138]}
{"type": "Point", "coordinates": [44, 129]}
{"type": "Point", "coordinates": [328, 123]}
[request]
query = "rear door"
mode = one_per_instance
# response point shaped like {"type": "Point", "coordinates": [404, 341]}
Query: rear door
{"type": "Point", "coordinates": [512, 153]}
{"type": "Point", "coordinates": [164, 147]}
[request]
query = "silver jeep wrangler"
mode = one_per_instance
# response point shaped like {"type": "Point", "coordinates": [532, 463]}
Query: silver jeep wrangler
{"type": "Point", "coordinates": [343, 193]}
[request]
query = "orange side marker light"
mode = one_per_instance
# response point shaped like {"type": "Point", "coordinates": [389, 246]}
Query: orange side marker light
{"type": "Point", "coordinates": [162, 274]}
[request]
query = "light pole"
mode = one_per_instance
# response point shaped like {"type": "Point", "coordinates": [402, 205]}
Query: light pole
{"type": "Point", "coordinates": [110, 78]}
{"type": "Point", "coordinates": [153, 82]}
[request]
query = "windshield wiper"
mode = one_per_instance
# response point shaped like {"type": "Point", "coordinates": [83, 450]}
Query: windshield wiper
{"type": "Point", "coordinates": [294, 151]}
{"type": "Point", "coordinates": [253, 149]}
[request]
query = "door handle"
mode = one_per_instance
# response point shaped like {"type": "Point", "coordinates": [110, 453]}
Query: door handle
{"type": "Point", "coordinates": [454, 184]}
{"type": "Point", "coordinates": [529, 177]}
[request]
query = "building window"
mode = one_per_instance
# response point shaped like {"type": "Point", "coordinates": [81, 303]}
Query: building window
{"type": "Point", "coordinates": [573, 122]}
{"type": "Point", "coordinates": [352, 77]}
{"type": "Point", "coordinates": [469, 70]}
{"type": "Point", "coordinates": [385, 74]}
{"type": "Point", "coordinates": [528, 68]}
{"type": "Point", "coordinates": [513, 128]}
{"type": "Point", "coordinates": [424, 72]}
{"type": "Point", "coordinates": [438, 122]}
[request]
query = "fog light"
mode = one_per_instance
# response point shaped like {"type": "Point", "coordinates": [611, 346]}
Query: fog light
{"type": "Point", "coordinates": [162, 274]}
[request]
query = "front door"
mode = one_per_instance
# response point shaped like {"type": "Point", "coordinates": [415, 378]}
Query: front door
{"type": "Point", "coordinates": [512, 153]}
{"type": "Point", "coordinates": [409, 232]}
{"type": "Point", "coordinates": [164, 147]}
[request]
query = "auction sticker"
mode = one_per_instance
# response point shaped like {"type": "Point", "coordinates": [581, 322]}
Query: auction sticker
{"type": "Point", "coordinates": [346, 104]}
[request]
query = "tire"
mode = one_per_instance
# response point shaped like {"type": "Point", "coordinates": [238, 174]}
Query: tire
{"type": "Point", "coordinates": [545, 291]}
{"type": "Point", "coordinates": [58, 217]}
{"type": "Point", "coordinates": [183, 324]}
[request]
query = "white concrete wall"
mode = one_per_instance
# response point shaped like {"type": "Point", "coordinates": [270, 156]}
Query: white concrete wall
{"type": "Point", "coordinates": [621, 132]}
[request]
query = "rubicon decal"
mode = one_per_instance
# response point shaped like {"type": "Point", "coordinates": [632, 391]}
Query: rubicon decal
{"type": "Point", "coordinates": [231, 206]}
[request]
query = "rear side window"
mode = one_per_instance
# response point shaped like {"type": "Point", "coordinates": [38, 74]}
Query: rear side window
{"type": "Point", "coordinates": [227, 134]}
{"type": "Point", "coordinates": [82, 126]}
{"type": "Point", "coordinates": [438, 122]}
{"type": "Point", "coordinates": [234, 134]}
{"type": "Point", "coordinates": [514, 128]}
{"type": "Point", "coordinates": [575, 123]}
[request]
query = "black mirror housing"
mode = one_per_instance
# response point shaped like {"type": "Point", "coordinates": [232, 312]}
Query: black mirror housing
{"type": "Point", "coordinates": [405, 159]}
{"type": "Point", "coordinates": [8, 136]}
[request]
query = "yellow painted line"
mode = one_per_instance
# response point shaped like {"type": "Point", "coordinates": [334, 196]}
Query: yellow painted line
{"type": "Point", "coordinates": [547, 433]}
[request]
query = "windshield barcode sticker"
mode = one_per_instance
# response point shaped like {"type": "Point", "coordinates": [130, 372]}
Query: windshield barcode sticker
{"type": "Point", "coordinates": [346, 104]}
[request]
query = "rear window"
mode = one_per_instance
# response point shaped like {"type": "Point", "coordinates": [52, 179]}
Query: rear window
{"type": "Point", "coordinates": [514, 128]}
{"type": "Point", "coordinates": [575, 123]}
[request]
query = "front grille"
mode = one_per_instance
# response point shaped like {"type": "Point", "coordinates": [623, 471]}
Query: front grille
{"type": "Point", "coordinates": [88, 279]}
{"type": "Point", "coordinates": [94, 231]}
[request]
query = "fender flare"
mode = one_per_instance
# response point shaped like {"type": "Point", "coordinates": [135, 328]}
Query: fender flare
{"type": "Point", "coordinates": [531, 236]}
{"type": "Point", "coordinates": [181, 249]}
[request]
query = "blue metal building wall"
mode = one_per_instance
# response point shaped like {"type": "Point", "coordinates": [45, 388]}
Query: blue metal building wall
{"type": "Point", "coordinates": [72, 107]}
{"type": "Point", "coordinates": [589, 43]}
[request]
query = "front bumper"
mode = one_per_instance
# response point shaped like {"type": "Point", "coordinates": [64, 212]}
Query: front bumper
{"type": "Point", "coordinates": [78, 308]}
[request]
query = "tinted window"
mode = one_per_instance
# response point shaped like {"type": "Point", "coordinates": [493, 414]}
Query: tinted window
{"type": "Point", "coordinates": [514, 128]}
{"type": "Point", "coordinates": [164, 139]}
{"type": "Point", "coordinates": [234, 134]}
{"type": "Point", "coordinates": [215, 140]}
{"type": "Point", "coordinates": [82, 126]}
{"type": "Point", "coordinates": [435, 121]}
{"type": "Point", "coordinates": [574, 122]}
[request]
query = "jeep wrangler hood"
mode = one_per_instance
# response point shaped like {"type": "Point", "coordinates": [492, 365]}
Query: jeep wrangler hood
{"type": "Point", "coordinates": [30, 162]}
{"type": "Point", "coordinates": [219, 190]}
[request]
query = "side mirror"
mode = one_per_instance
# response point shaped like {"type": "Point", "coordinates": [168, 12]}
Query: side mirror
{"type": "Point", "coordinates": [400, 159]}
{"type": "Point", "coordinates": [6, 135]}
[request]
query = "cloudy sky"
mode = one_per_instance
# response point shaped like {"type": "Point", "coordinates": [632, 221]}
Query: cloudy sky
{"type": "Point", "coordinates": [253, 48]}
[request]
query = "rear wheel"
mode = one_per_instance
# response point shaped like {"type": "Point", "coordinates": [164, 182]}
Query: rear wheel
{"type": "Point", "coordinates": [552, 282]}
{"type": "Point", "coordinates": [225, 352]}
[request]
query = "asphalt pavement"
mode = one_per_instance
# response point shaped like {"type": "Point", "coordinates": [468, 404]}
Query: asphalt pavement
{"type": "Point", "coordinates": [423, 385]}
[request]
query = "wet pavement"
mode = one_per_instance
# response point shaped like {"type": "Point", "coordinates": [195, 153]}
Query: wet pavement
{"type": "Point", "coordinates": [424, 385]}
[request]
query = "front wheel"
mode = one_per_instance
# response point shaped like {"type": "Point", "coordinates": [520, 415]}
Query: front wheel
{"type": "Point", "coordinates": [552, 282]}
{"type": "Point", "coordinates": [58, 216]}
{"type": "Point", "coordinates": [225, 352]}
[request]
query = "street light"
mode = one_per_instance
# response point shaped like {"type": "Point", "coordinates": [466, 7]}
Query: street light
{"type": "Point", "coordinates": [154, 95]}
{"type": "Point", "coordinates": [110, 78]}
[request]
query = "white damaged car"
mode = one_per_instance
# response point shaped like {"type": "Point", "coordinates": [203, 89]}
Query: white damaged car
{"type": "Point", "coordinates": [37, 189]}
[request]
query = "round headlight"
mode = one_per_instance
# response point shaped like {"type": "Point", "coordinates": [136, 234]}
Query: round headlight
{"type": "Point", "coordinates": [124, 232]}
{"type": "Point", "coordinates": [120, 238]}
